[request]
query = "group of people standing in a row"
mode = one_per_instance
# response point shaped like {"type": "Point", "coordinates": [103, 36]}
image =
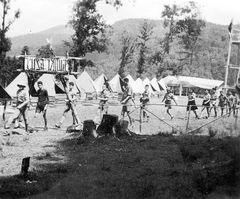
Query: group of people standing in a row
{"type": "Point", "coordinates": [211, 101]}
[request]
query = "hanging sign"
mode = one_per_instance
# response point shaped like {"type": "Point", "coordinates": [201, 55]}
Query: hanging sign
{"type": "Point", "coordinates": [56, 64]}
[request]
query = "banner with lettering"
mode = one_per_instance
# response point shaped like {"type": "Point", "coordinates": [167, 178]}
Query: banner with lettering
{"type": "Point", "coordinates": [56, 64]}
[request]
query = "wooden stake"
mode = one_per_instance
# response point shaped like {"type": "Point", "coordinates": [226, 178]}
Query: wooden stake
{"type": "Point", "coordinates": [140, 118]}
{"type": "Point", "coordinates": [4, 110]}
{"type": "Point", "coordinates": [188, 118]}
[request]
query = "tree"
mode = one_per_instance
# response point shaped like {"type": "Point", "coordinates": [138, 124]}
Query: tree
{"type": "Point", "coordinates": [189, 29]}
{"type": "Point", "coordinates": [45, 52]}
{"type": "Point", "coordinates": [143, 38]}
{"type": "Point", "coordinates": [8, 69]}
{"type": "Point", "coordinates": [6, 66]}
{"type": "Point", "coordinates": [127, 51]}
{"type": "Point", "coordinates": [5, 43]}
{"type": "Point", "coordinates": [89, 27]}
{"type": "Point", "coordinates": [170, 15]}
{"type": "Point", "coordinates": [25, 50]}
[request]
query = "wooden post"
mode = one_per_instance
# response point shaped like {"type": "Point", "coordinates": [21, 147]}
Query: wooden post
{"type": "Point", "coordinates": [228, 62]}
{"type": "Point", "coordinates": [4, 109]}
{"type": "Point", "coordinates": [140, 120]}
{"type": "Point", "coordinates": [25, 166]}
{"type": "Point", "coordinates": [236, 120]}
{"type": "Point", "coordinates": [188, 118]}
{"type": "Point", "coordinates": [238, 63]}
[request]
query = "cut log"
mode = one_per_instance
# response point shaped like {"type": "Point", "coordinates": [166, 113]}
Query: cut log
{"type": "Point", "coordinates": [25, 166]}
{"type": "Point", "coordinates": [107, 124]}
{"type": "Point", "coordinates": [121, 128]}
{"type": "Point", "coordinates": [89, 128]}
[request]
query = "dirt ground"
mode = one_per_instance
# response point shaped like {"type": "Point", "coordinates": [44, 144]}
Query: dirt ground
{"type": "Point", "coordinates": [140, 167]}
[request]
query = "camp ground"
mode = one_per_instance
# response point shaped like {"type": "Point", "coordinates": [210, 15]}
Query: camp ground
{"type": "Point", "coordinates": [119, 99]}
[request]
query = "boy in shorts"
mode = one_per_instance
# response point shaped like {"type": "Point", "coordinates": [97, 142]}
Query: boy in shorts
{"type": "Point", "coordinates": [42, 104]}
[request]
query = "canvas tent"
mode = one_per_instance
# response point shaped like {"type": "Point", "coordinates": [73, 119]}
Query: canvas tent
{"type": "Point", "coordinates": [76, 87]}
{"type": "Point", "coordinates": [200, 82]}
{"type": "Point", "coordinates": [146, 81]}
{"type": "Point", "coordinates": [12, 88]}
{"type": "Point", "coordinates": [85, 83]}
{"type": "Point", "coordinates": [99, 82]}
{"type": "Point", "coordinates": [139, 87]}
{"type": "Point", "coordinates": [115, 84]}
{"type": "Point", "coordinates": [155, 85]}
{"type": "Point", "coordinates": [3, 94]}
{"type": "Point", "coordinates": [186, 81]}
{"type": "Point", "coordinates": [162, 85]}
{"type": "Point", "coordinates": [48, 81]}
{"type": "Point", "coordinates": [131, 82]}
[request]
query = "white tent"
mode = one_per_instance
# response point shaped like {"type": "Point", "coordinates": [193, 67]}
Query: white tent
{"type": "Point", "coordinates": [139, 86]}
{"type": "Point", "coordinates": [162, 85]}
{"type": "Point", "coordinates": [186, 81]}
{"type": "Point", "coordinates": [154, 84]}
{"type": "Point", "coordinates": [85, 83]}
{"type": "Point", "coordinates": [48, 81]}
{"type": "Point", "coordinates": [99, 82]}
{"type": "Point", "coordinates": [131, 82]}
{"type": "Point", "coordinates": [146, 81]}
{"type": "Point", "coordinates": [171, 81]}
{"type": "Point", "coordinates": [20, 79]}
{"type": "Point", "coordinates": [76, 87]}
{"type": "Point", "coordinates": [115, 84]}
{"type": "Point", "coordinates": [200, 82]}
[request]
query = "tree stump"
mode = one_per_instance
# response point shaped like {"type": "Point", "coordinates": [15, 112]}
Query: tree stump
{"type": "Point", "coordinates": [107, 124]}
{"type": "Point", "coordinates": [121, 128]}
{"type": "Point", "coordinates": [89, 128]}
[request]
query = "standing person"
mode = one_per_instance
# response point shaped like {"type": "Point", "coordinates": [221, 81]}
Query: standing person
{"type": "Point", "coordinates": [206, 103]}
{"type": "Point", "coordinates": [127, 100]}
{"type": "Point", "coordinates": [223, 100]}
{"type": "Point", "coordinates": [213, 102]}
{"type": "Point", "coordinates": [230, 102]}
{"type": "Point", "coordinates": [22, 105]}
{"type": "Point", "coordinates": [70, 105]}
{"type": "Point", "coordinates": [235, 104]}
{"type": "Point", "coordinates": [103, 103]}
{"type": "Point", "coordinates": [42, 104]}
{"type": "Point", "coordinates": [168, 97]}
{"type": "Point", "coordinates": [145, 99]}
{"type": "Point", "coordinates": [191, 105]}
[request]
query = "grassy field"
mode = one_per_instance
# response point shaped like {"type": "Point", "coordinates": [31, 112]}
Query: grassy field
{"type": "Point", "coordinates": [141, 166]}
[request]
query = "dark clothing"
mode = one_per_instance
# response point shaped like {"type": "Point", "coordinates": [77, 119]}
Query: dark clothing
{"type": "Point", "coordinates": [168, 100]}
{"type": "Point", "coordinates": [193, 106]}
{"type": "Point", "coordinates": [43, 96]}
{"type": "Point", "coordinates": [191, 102]}
{"type": "Point", "coordinates": [43, 100]}
{"type": "Point", "coordinates": [222, 100]}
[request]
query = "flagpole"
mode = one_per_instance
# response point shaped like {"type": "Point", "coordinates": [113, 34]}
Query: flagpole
{"type": "Point", "coordinates": [228, 62]}
{"type": "Point", "coordinates": [238, 63]}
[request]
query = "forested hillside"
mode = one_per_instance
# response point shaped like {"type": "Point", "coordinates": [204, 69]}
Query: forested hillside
{"type": "Point", "coordinates": [208, 61]}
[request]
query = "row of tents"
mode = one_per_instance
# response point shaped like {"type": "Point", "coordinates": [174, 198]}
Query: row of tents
{"type": "Point", "coordinates": [85, 84]}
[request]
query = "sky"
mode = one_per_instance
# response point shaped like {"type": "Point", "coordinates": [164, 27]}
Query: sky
{"type": "Point", "coordinates": [38, 15]}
